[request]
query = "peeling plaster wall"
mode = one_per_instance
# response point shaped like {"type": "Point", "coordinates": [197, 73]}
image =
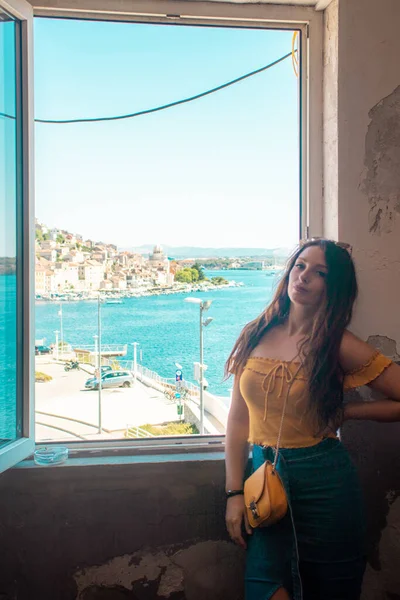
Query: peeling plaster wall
{"type": "Point", "coordinates": [362, 151]}
{"type": "Point", "coordinates": [368, 216]}
{"type": "Point", "coordinates": [200, 570]}
{"type": "Point", "coordinates": [375, 450]}
{"type": "Point", "coordinates": [381, 183]}
{"type": "Point", "coordinates": [369, 157]}
{"type": "Point", "coordinates": [142, 531]}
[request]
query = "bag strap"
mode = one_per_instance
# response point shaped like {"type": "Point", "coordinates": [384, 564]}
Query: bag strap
{"type": "Point", "coordinates": [278, 441]}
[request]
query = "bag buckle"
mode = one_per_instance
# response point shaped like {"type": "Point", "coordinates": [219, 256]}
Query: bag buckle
{"type": "Point", "coordinates": [253, 508]}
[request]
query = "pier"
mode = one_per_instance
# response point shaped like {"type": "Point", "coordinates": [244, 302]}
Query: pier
{"type": "Point", "coordinates": [107, 351]}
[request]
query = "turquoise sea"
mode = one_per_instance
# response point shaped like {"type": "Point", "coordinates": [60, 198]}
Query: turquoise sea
{"type": "Point", "coordinates": [8, 352]}
{"type": "Point", "coordinates": [167, 327]}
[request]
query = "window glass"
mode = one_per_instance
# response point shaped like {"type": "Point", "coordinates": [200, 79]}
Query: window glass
{"type": "Point", "coordinates": [10, 423]}
{"type": "Point", "coordinates": [158, 237]}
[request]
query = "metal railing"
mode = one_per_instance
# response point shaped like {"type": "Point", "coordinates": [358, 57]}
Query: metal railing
{"type": "Point", "coordinates": [133, 431]}
{"type": "Point", "coordinates": [91, 359]}
{"type": "Point", "coordinates": [105, 349]}
{"type": "Point", "coordinates": [143, 373]}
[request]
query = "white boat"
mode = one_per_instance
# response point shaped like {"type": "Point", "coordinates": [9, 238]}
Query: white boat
{"type": "Point", "coordinates": [113, 301]}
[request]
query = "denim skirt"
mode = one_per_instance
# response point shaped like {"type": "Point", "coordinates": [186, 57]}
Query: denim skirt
{"type": "Point", "coordinates": [316, 552]}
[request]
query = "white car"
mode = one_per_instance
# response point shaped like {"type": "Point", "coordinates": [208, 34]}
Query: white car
{"type": "Point", "coordinates": [111, 379]}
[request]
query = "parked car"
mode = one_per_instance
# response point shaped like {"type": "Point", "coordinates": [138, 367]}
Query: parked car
{"type": "Point", "coordinates": [42, 350]}
{"type": "Point", "coordinates": [111, 379]}
{"type": "Point", "coordinates": [104, 369]}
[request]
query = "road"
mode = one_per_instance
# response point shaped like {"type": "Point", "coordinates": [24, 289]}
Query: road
{"type": "Point", "coordinates": [65, 396]}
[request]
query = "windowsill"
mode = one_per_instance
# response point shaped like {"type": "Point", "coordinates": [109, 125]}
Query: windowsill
{"type": "Point", "coordinates": [98, 456]}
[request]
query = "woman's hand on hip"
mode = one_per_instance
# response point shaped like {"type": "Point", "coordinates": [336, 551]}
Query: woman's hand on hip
{"type": "Point", "coordinates": [235, 518]}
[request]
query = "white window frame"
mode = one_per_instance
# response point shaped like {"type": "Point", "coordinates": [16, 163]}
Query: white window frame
{"type": "Point", "coordinates": [15, 451]}
{"type": "Point", "coordinates": [307, 20]}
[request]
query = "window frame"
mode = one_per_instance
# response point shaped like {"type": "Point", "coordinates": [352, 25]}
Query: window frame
{"type": "Point", "coordinates": [17, 450]}
{"type": "Point", "coordinates": [307, 20]}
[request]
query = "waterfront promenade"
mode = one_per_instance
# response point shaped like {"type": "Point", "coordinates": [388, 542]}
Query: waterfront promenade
{"type": "Point", "coordinates": [65, 396]}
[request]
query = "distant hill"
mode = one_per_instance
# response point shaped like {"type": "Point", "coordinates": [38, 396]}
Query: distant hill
{"type": "Point", "coordinates": [180, 252]}
{"type": "Point", "coordinates": [7, 265]}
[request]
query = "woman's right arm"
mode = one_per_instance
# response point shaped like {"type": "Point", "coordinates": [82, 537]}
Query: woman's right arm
{"type": "Point", "coordinates": [236, 456]}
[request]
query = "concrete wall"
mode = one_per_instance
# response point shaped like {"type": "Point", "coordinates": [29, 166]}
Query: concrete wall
{"type": "Point", "coordinates": [139, 531]}
{"type": "Point", "coordinates": [362, 151]}
{"type": "Point", "coordinates": [154, 530]}
{"type": "Point", "coordinates": [362, 203]}
{"type": "Point", "coordinates": [375, 450]}
{"type": "Point", "coordinates": [369, 156]}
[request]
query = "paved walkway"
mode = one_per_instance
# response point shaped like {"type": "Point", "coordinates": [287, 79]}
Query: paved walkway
{"type": "Point", "coordinates": [65, 396]}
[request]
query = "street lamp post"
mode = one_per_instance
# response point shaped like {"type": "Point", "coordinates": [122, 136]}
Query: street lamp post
{"type": "Point", "coordinates": [99, 358]}
{"type": "Point", "coordinates": [60, 314]}
{"type": "Point", "coordinates": [56, 348]}
{"type": "Point", "coordinates": [98, 377]}
{"type": "Point", "coordinates": [96, 349]}
{"type": "Point", "coordinates": [201, 372]}
{"type": "Point", "coordinates": [204, 305]}
{"type": "Point", "coordinates": [135, 345]}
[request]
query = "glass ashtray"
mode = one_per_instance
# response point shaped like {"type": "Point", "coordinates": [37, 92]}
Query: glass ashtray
{"type": "Point", "coordinates": [50, 455]}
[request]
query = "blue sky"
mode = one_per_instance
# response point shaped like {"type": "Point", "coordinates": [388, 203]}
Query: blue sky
{"type": "Point", "coordinates": [221, 171]}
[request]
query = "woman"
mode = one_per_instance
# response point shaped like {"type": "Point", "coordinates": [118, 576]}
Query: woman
{"type": "Point", "coordinates": [299, 347]}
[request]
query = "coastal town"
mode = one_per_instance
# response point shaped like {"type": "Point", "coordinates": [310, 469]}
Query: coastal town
{"type": "Point", "coordinates": [76, 342]}
{"type": "Point", "coordinates": [69, 266]}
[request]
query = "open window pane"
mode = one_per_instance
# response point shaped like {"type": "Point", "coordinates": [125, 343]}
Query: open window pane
{"type": "Point", "coordinates": [15, 399]}
{"type": "Point", "coordinates": [198, 201]}
{"type": "Point", "coordinates": [10, 396]}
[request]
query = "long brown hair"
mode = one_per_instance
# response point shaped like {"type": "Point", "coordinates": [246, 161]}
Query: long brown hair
{"type": "Point", "coordinates": [320, 349]}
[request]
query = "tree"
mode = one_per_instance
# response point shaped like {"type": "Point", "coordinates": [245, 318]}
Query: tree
{"type": "Point", "coordinates": [195, 275]}
{"type": "Point", "coordinates": [184, 276]}
{"type": "Point", "coordinates": [199, 269]}
{"type": "Point", "coordinates": [60, 238]}
{"type": "Point", "coordinates": [218, 281]}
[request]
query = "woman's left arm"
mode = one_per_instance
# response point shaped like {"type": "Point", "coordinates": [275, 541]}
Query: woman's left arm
{"type": "Point", "coordinates": [384, 411]}
{"type": "Point", "coordinates": [354, 353]}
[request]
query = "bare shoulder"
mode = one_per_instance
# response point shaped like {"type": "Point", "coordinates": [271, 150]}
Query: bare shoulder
{"type": "Point", "coordinates": [354, 352]}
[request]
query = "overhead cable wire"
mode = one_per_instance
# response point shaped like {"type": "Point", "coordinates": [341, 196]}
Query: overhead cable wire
{"type": "Point", "coordinates": [6, 116]}
{"type": "Point", "coordinates": [162, 107]}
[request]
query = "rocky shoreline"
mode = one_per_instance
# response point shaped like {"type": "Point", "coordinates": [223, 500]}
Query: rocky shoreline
{"type": "Point", "coordinates": [117, 296]}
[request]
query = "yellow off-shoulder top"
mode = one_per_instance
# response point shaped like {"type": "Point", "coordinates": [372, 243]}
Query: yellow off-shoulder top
{"type": "Point", "coordinates": [264, 384]}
